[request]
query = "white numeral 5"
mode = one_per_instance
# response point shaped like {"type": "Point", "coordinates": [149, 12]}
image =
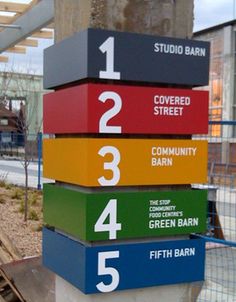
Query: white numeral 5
{"type": "Point", "coordinates": [104, 270]}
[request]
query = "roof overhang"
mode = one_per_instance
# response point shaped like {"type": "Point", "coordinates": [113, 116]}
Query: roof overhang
{"type": "Point", "coordinates": [39, 16]}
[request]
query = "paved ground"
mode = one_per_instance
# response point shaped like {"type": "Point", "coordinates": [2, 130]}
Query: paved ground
{"type": "Point", "coordinates": [14, 173]}
{"type": "Point", "coordinates": [220, 284]}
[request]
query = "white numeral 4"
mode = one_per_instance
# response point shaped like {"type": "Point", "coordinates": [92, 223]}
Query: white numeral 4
{"type": "Point", "coordinates": [112, 227]}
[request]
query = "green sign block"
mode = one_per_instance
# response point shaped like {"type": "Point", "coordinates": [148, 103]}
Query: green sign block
{"type": "Point", "coordinates": [123, 215]}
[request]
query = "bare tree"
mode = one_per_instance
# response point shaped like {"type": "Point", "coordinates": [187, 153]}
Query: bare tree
{"type": "Point", "coordinates": [24, 88]}
{"type": "Point", "coordinates": [25, 118]}
{"type": "Point", "coordinates": [6, 78]}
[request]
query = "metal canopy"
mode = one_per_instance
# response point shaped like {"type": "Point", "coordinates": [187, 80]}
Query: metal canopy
{"type": "Point", "coordinates": [19, 21]}
{"type": "Point", "coordinates": [39, 16]}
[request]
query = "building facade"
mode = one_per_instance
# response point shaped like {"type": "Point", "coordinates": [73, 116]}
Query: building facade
{"type": "Point", "coordinates": [222, 89]}
{"type": "Point", "coordinates": [23, 93]}
{"type": "Point", "coordinates": [222, 85]}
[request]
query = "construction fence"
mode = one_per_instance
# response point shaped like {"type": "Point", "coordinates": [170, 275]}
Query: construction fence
{"type": "Point", "coordinates": [16, 144]}
{"type": "Point", "coordinates": [220, 268]}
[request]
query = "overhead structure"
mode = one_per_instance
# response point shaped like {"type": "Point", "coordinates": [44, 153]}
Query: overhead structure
{"type": "Point", "coordinates": [22, 23]}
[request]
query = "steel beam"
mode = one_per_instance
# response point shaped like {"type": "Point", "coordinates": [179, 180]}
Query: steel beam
{"type": "Point", "coordinates": [10, 26]}
{"type": "Point", "coordinates": [33, 20]}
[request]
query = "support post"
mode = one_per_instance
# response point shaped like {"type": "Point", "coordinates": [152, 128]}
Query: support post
{"type": "Point", "coordinates": [158, 17]}
{"type": "Point", "coordinates": [39, 145]}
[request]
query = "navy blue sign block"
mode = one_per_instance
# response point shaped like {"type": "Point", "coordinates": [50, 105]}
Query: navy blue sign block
{"type": "Point", "coordinates": [102, 54]}
{"type": "Point", "coordinates": [106, 268]}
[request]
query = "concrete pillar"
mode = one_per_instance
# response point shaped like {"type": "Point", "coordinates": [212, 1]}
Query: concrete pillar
{"type": "Point", "coordinates": [158, 17]}
{"type": "Point", "coordinates": [182, 293]}
{"type": "Point", "coordinates": [225, 145]}
{"type": "Point", "coordinates": [228, 77]}
{"type": "Point", "coordinates": [228, 92]}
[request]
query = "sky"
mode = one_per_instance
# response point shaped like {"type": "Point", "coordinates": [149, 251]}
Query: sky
{"type": "Point", "coordinates": [207, 13]}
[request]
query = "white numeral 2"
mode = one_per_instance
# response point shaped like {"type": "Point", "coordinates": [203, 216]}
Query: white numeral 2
{"type": "Point", "coordinates": [113, 166]}
{"type": "Point", "coordinates": [103, 127]}
{"type": "Point", "coordinates": [112, 227]}
{"type": "Point", "coordinates": [108, 48]}
{"type": "Point", "coordinates": [104, 270]}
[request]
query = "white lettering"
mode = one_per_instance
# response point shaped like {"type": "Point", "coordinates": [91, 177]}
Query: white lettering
{"type": "Point", "coordinates": [162, 161]}
{"type": "Point", "coordinates": [161, 254]}
{"type": "Point", "coordinates": [177, 151]}
{"type": "Point", "coordinates": [195, 51]}
{"type": "Point", "coordinates": [168, 111]}
{"type": "Point", "coordinates": [162, 224]}
{"type": "Point", "coordinates": [168, 48]}
{"type": "Point", "coordinates": [186, 252]}
{"type": "Point", "coordinates": [188, 222]}
{"type": "Point", "coordinates": [172, 100]}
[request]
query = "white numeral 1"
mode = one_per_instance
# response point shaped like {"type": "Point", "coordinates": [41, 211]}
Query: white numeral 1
{"type": "Point", "coordinates": [108, 48]}
{"type": "Point", "coordinates": [113, 166]}
{"type": "Point", "coordinates": [104, 270]}
{"type": "Point", "coordinates": [112, 227]}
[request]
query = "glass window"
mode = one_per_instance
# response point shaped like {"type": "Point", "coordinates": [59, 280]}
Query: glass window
{"type": "Point", "coordinates": [6, 137]}
{"type": "Point", "coordinates": [3, 122]}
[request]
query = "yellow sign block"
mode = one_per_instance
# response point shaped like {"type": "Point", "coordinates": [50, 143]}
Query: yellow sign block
{"type": "Point", "coordinates": [125, 162]}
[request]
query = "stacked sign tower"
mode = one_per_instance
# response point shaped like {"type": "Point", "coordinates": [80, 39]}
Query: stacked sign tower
{"type": "Point", "coordinates": [120, 101]}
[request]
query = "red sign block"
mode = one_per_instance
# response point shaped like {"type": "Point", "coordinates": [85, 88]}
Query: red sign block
{"type": "Point", "coordinates": [101, 108]}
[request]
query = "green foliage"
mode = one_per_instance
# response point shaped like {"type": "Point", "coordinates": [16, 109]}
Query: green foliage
{"type": "Point", "coordinates": [39, 227]}
{"type": "Point", "coordinates": [33, 215]}
{"type": "Point", "coordinates": [3, 180]}
{"type": "Point", "coordinates": [17, 193]}
{"type": "Point", "coordinates": [22, 206]}
{"type": "Point", "coordinates": [2, 199]}
{"type": "Point", "coordinates": [9, 186]}
{"type": "Point", "coordinates": [33, 199]}
{"type": "Point", "coordinates": [2, 183]}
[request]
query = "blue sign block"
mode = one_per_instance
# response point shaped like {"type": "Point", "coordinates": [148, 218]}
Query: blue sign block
{"type": "Point", "coordinates": [105, 268]}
